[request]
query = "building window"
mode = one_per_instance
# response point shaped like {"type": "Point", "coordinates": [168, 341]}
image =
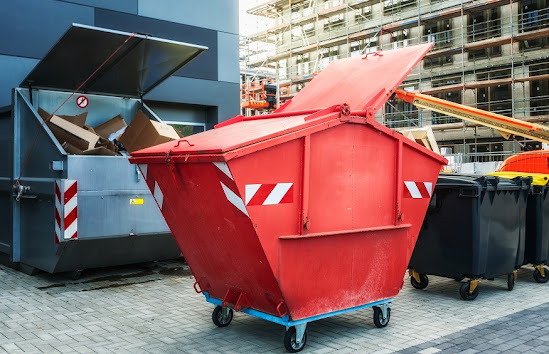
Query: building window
{"type": "Point", "coordinates": [446, 81]}
{"type": "Point", "coordinates": [539, 90]}
{"type": "Point", "coordinates": [439, 33]}
{"type": "Point", "coordinates": [309, 29]}
{"type": "Point", "coordinates": [283, 69]}
{"type": "Point", "coordinates": [391, 7]}
{"type": "Point", "coordinates": [484, 25]}
{"type": "Point", "coordinates": [399, 114]}
{"type": "Point", "coordinates": [368, 45]}
{"type": "Point", "coordinates": [432, 62]}
{"type": "Point", "coordinates": [363, 14]}
{"type": "Point", "coordinates": [495, 98]}
{"type": "Point", "coordinates": [334, 22]}
{"type": "Point", "coordinates": [399, 39]}
{"type": "Point", "coordinates": [439, 118]}
{"type": "Point", "coordinates": [303, 64]}
{"type": "Point", "coordinates": [534, 14]}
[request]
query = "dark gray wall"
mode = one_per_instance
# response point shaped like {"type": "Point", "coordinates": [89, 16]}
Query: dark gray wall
{"type": "Point", "coordinates": [31, 27]}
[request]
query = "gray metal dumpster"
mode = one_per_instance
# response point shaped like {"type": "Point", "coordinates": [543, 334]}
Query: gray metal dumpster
{"type": "Point", "coordinates": [117, 220]}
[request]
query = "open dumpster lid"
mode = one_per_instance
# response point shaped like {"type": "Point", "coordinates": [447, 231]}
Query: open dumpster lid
{"type": "Point", "coordinates": [361, 82]}
{"type": "Point", "coordinates": [242, 131]}
{"type": "Point", "coordinates": [137, 67]}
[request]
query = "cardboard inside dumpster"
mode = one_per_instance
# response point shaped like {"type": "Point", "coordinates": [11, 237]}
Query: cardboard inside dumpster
{"type": "Point", "coordinates": [108, 138]}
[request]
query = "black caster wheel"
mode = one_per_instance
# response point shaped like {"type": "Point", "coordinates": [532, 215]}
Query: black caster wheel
{"type": "Point", "coordinates": [510, 281]}
{"type": "Point", "coordinates": [219, 320]}
{"type": "Point", "coordinates": [538, 278]}
{"type": "Point", "coordinates": [378, 317]}
{"type": "Point", "coordinates": [424, 281]}
{"type": "Point", "coordinates": [290, 342]}
{"type": "Point", "coordinates": [464, 292]}
{"type": "Point", "coordinates": [459, 279]}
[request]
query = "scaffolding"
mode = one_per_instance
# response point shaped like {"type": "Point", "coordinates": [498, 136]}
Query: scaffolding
{"type": "Point", "coordinates": [489, 54]}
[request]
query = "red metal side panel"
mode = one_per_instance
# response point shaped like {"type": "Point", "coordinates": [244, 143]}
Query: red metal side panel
{"type": "Point", "coordinates": [352, 183]}
{"type": "Point", "coordinates": [270, 184]}
{"type": "Point", "coordinates": [363, 220]}
{"type": "Point", "coordinates": [358, 82]}
{"type": "Point", "coordinates": [421, 172]}
{"type": "Point", "coordinates": [217, 239]}
{"type": "Point", "coordinates": [332, 272]}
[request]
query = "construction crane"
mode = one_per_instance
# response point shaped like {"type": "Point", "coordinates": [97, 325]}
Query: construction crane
{"type": "Point", "coordinates": [505, 125]}
{"type": "Point", "coordinates": [528, 162]}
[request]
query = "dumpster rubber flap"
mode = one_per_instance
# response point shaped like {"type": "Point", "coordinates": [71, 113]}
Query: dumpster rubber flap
{"type": "Point", "coordinates": [353, 81]}
{"type": "Point", "coordinates": [140, 65]}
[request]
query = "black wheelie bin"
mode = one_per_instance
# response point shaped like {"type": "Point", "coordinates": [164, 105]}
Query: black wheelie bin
{"type": "Point", "coordinates": [536, 252]}
{"type": "Point", "coordinates": [475, 229]}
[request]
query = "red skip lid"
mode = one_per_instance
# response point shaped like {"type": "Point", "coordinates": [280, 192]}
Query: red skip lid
{"type": "Point", "coordinates": [361, 82]}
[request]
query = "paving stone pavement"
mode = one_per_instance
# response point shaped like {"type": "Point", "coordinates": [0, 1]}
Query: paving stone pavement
{"type": "Point", "coordinates": [134, 309]}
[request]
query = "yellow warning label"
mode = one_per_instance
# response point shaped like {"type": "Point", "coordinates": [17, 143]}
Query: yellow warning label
{"type": "Point", "coordinates": [136, 201]}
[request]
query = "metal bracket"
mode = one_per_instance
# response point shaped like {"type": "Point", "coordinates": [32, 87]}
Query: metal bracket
{"type": "Point", "coordinates": [300, 332]}
{"type": "Point", "coordinates": [540, 269]}
{"type": "Point", "coordinates": [515, 275]}
{"type": "Point", "coordinates": [415, 275]}
{"type": "Point", "coordinates": [225, 312]}
{"type": "Point", "coordinates": [19, 190]}
{"type": "Point", "coordinates": [473, 283]}
{"type": "Point", "coordinates": [383, 308]}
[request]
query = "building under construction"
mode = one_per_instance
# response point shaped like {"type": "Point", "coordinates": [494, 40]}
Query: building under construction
{"type": "Point", "coordinates": [489, 54]}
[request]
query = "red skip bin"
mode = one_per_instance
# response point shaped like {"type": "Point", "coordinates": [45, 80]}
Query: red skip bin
{"type": "Point", "coordinates": [306, 213]}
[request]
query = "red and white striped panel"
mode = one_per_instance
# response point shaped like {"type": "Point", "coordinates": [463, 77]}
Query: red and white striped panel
{"type": "Point", "coordinates": [229, 186]}
{"type": "Point", "coordinates": [418, 190]}
{"type": "Point", "coordinates": [269, 194]}
{"type": "Point", "coordinates": [66, 210]}
{"type": "Point", "coordinates": [157, 193]}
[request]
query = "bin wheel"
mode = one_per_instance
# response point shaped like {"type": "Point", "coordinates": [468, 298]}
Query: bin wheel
{"type": "Point", "coordinates": [378, 317]}
{"type": "Point", "coordinates": [464, 292]}
{"type": "Point", "coordinates": [510, 281]}
{"type": "Point", "coordinates": [459, 279]}
{"type": "Point", "coordinates": [538, 278]}
{"type": "Point", "coordinates": [424, 281]}
{"type": "Point", "coordinates": [290, 342]}
{"type": "Point", "coordinates": [219, 320]}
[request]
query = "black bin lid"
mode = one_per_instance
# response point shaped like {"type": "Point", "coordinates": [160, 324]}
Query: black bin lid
{"type": "Point", "coordinates": [480, 182]}
{"type": "Point", "coordinates": [141, 64]}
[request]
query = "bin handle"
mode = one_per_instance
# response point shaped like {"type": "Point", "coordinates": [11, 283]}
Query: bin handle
{"type": "Point", "coordinates": [280, 313]}
{"type": "Point", "coordinates": [197, 287]}
{"type": "Point", "coordinates": [185, 140]}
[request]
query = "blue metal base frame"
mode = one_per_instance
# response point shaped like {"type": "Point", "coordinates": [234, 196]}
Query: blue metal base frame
{"type": "Point", "coordinates": [285, 321]}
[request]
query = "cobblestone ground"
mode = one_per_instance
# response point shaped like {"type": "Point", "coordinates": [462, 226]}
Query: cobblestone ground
{"type": "Point", "coordinates": [137, 309]}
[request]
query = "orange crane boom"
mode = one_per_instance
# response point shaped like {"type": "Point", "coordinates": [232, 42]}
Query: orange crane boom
{"type": "Point", "coordinates": [505, 125]}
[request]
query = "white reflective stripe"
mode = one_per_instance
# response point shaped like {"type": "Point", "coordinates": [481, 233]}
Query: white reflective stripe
{"type": "Point", "coordinates": [279, 191]}
{"type": "Point", "coordinates": [58, 206]}
{"type": "Point", "coordinates": [234, 199]}
{"type": "Point", "coordinates": [71, 204]}
{"type": "Point", "coordinates": [67, 183]}
{"type": "Point", "coordinates": [143, 169]}
{"type": "Point", "coordinates": [158, 195]}
{"type": "Point", "coordinates": [412, 188]}
{"type": "Point", "coordinates": [429, 187]}
{"type": "Point", "coordinates": [71, 230]}
{"type": "Point", "coordinates": [251, 190]}
{"type": "Point", "coordinates": [224, 168]}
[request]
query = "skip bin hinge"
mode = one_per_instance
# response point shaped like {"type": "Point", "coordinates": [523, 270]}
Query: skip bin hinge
{"type": "Point", "coordinates": [236, 299]}
{"type": "Point", "coordinates": [19, 191]}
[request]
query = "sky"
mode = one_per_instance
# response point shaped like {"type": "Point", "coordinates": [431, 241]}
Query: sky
{"type": "Point", "coordinates": [248, 23]}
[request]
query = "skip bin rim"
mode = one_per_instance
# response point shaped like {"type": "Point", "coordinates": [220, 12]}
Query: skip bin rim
{"type": "Point", "coordinates": [159, 153]}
